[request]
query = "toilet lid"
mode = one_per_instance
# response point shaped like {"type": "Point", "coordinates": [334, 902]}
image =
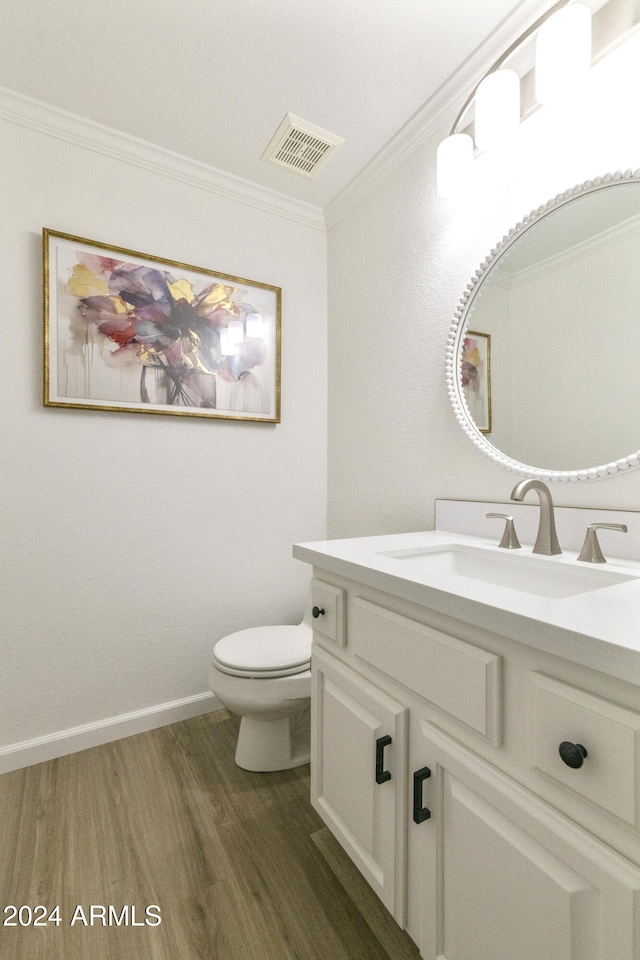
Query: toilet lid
{"type": "Point", "coordinates": [265, 651]}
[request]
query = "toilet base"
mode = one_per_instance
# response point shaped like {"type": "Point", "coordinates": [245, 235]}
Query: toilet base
{"type": "Point", "coordinates": [279, 743]}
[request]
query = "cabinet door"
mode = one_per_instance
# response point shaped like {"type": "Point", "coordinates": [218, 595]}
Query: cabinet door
{"type": "Point", "coordinates": [358, 774]}
{"type": "Point", "coordinates": [505, 876]}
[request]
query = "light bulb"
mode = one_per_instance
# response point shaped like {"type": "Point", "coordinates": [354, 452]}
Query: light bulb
{"type": "Point", "coordinates": [497, 108]}
{"type": "Point", "coordinates": [454, 158]}
{"type": "Point", "coordinates": [563, 52]}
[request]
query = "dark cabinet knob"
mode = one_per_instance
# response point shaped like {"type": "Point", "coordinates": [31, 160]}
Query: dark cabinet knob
{"type": "Point", "coordinates": [317, 612]}
{"type": "Point", "coordinates": [572, 754]}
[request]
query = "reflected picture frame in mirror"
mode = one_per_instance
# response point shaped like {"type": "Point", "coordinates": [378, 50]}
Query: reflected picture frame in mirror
{"type": "Point", "coordinates": [553, 222]}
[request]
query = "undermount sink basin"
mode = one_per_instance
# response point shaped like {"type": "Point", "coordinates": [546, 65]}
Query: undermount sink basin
{"type": "Point", "coordinates": [529, 574]}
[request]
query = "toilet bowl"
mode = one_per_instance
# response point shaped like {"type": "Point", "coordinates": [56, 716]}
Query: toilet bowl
{"type": "Point", "coordinates": [263, 675]}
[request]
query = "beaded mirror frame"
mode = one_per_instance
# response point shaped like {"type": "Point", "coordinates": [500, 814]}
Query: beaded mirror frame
{"type": "Point", "coordinates": [458, 329]}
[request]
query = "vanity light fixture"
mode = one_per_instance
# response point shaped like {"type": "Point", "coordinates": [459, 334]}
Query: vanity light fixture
{"type": "Point", "coordinates": [454, 159]}
{"type": "Point", "coordinates": [563, 53]}
{"type": "Point", "coordinates": [563, 57]}
{"type": "Point", "coordinates": [497, 108]}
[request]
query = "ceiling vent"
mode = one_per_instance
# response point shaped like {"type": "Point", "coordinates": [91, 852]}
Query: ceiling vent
{"type": "Point", "coordinates": [301, 147]}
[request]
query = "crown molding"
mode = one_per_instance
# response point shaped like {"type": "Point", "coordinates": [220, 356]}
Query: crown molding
{"type": "Point", "coordinates": [626, 230]}
{"type": "Point", "coordinates": [53, 122]}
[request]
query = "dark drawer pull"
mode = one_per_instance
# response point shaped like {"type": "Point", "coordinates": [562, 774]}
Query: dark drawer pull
{"type": "Point", "coordinates": [420, 813]}
{"type": "Point", "coordinates": [382, 775]}
{"type": "Point", "coordinates": [572, 754]}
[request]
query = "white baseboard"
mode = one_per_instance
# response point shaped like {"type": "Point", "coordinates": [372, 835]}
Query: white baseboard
{"type": "Point", "coordinates": [59, 744]}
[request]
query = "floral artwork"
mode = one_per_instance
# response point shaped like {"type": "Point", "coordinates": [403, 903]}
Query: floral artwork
{"type": "Point", "coordinates": [475, 373]}
{"type": "Point", "coordinates": [128, 331]}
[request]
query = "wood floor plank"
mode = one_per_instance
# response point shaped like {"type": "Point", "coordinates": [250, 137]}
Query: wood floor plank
{"type": "Point", "coordinates": [167, 818]}
{"type": "Point", "coordinates": [265, 821]}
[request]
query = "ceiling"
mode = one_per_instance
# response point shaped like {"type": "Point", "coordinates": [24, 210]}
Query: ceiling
{"type": "Point", "coordinates": [592, 222]}
{"type": "Point", "coordinates": [212, 79]}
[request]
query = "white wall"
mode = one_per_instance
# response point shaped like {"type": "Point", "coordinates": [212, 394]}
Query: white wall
{"type": "Point", "coordinates": [398, 263]}
{"type": "Point", "coordinates": [130, 542]}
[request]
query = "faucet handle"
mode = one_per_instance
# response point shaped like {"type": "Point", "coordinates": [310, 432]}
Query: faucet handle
{"type": "Point", "coordinates": [591, 552]}
{"type": "Point", "coordinates": [509, 537]}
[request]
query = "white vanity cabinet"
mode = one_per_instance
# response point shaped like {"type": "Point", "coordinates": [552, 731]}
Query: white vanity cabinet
{"type": "Point", "coordinates": [431, 765]}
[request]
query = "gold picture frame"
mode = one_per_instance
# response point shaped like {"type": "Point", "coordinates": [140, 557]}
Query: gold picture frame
{"type": "Point", "coordinates": [475, 372]}
{"type": "Point", "coordinates": [132, 332]}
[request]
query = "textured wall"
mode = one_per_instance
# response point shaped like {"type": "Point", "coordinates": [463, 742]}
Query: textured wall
{"type": "Point", "coordinates": [130, 542]}
{"type": "Point", "coordinates": [398, 263]}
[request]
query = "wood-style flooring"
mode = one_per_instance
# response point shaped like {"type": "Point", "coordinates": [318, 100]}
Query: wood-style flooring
{"type": "Point", "coordinates": [236, 862]}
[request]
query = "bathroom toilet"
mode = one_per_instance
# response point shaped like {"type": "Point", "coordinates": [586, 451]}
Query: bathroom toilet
{"type": "Point", "coordinates": [263, 674]}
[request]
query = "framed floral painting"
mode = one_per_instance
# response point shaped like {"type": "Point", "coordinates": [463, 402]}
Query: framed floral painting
{"type": "Point", "coordinates": [476, 377]}
{"type": "Point", "coordinates": [132, 332]}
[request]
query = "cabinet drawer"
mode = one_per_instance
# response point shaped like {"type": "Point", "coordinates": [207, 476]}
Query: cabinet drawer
{"type": "Point", "coordinates": [330, 619]}
{"type": "Point", "coordinates": [607, 732]}
{"type": "Point", "coordinates": [457, 677]}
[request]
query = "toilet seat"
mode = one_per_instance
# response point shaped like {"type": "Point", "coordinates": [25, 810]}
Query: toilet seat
{"type": "Point", "coordinates": [264, 652]}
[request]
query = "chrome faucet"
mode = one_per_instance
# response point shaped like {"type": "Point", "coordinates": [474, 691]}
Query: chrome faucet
{"type": "Point", "coordinates": [547, 539]}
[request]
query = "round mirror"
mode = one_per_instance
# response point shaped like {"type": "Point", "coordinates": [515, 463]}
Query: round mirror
{"type": "Point", "coordinates": [543, 351]}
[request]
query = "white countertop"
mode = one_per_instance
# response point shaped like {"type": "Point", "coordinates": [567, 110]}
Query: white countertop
{"type": "Point", "coordinates": [598, 629]}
